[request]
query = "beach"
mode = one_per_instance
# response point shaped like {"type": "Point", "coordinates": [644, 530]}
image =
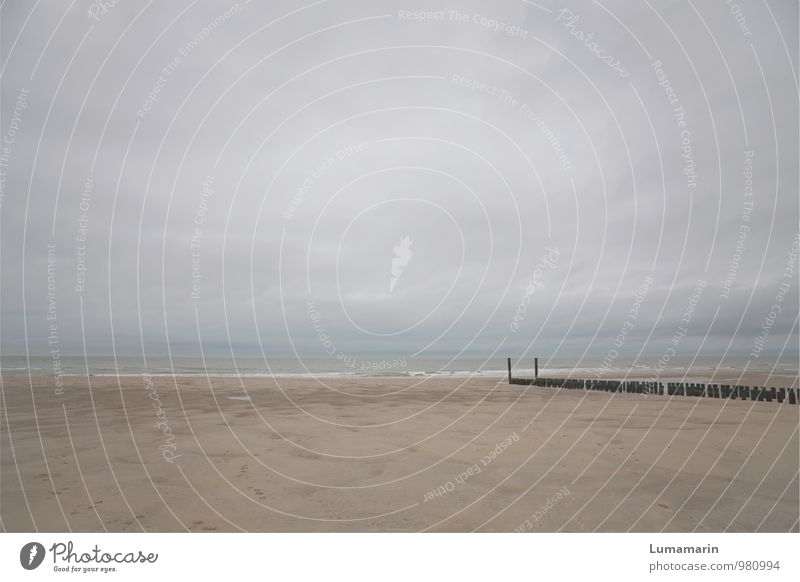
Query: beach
{"type": "Point", "coordinates": [163, 453]}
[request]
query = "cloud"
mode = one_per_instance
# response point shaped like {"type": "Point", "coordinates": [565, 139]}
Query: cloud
{"type": "Point", "coordinates": [247, 160]}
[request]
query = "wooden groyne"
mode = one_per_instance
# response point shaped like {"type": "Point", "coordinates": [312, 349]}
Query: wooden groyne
{"type": "Point", "coordinates": [755, 393]}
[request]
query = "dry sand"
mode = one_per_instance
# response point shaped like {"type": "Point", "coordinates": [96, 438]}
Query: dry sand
{"type": "Point", "coordinates": [366, 455]}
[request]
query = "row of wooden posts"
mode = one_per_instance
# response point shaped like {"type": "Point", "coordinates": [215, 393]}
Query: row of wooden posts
{"type": "Point", "coordinates": [756, 393]}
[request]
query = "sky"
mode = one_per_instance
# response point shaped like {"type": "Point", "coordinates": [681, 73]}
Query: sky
{"type": "Point", "coordinates": [421, 178]}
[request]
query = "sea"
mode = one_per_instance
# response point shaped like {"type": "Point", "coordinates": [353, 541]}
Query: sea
{"type": "Point", "coordinates": [675, 369]}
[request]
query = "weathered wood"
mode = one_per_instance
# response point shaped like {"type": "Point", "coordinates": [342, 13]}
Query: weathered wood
{"type": "Point", "coordinates": [756, 394]}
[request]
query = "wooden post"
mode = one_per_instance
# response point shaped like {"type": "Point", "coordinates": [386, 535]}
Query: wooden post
{"type": "Point", "coordinates": [509, 370]}
{"type": "Point", "coordinates": [535, 367]}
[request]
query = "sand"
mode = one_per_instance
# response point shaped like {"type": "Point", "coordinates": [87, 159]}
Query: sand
{"type": "Point", "coordinates": [178, 454]}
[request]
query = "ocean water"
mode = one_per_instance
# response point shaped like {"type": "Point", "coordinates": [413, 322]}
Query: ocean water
{"type": "Point", "coordinates": [371, 366]}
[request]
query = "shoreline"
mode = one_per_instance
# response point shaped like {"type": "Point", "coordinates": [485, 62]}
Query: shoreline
{"type": "Point", "coordinates": [730, 377]}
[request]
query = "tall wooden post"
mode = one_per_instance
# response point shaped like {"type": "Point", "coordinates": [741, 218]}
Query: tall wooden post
{"type": "Point", "coordinates": [535, 367]}
{"type": "Point", "coordinates": [509, 370]}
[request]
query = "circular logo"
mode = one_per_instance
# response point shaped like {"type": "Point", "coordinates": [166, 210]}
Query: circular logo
{"type": "Point", "coordinates": [31, 555]}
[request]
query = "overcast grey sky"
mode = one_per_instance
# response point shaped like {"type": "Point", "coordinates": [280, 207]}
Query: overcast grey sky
{"type": "Point", "coordinates": [244, 174]}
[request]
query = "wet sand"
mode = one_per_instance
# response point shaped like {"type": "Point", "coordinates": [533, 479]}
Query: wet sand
{"type": "Point", "coordinates": [387, 454]}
